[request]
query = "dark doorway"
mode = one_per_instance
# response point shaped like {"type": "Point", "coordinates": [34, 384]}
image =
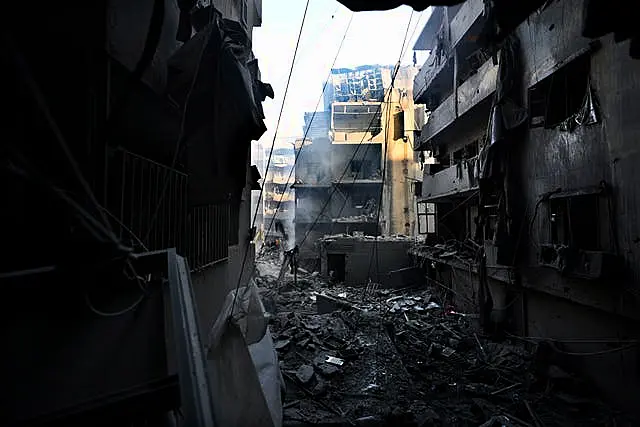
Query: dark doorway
{"type": "Point", "coordinates": [336, 264]}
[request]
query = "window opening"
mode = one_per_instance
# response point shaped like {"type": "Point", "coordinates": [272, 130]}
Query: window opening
{"type": "Point", "coordinates": [426, 218]}
{"type": "Point", "coordinates": [561, 95]}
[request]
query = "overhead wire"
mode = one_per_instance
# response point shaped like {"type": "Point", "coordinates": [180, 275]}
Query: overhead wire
{"type": "Point", "coordinates": [275, 134]}
{"type": "Point", "coordinates": [376, 115]}
{"type": "Point", "coordinates": [304, 138]}
{"type": "Point", "coordinates": [386, 148]}
{"type": "Point", "coordinates": [344, 172]}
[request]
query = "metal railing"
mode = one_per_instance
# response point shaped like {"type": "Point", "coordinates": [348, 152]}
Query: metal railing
{"type": "Point", "coordinates": [208, 231]}
{"type": "Point", "coordinates": [150, 201]}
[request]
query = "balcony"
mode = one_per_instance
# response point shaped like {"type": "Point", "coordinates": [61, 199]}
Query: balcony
{"type": "Point", "coordinates": [449, 182]}
{"type": "Point", "coordinates": [355, 122]}
{"type": "Point", "coordinates": [457, 75]}
{"type": "Point", "coordinates": [447, 31]}
{"type": "Point", "coordinates": [469, 103]}
{"type": "Point", "coordinates": [439, 119]}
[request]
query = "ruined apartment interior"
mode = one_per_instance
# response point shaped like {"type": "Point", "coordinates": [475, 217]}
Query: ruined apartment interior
{"type": "Point", "coordinates": [451, 240]}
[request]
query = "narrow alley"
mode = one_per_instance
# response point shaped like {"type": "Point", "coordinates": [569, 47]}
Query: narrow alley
{"type": "Point", "coordinates": [288, 213]}
{"type": "Point", "coordinates": [373, 355]}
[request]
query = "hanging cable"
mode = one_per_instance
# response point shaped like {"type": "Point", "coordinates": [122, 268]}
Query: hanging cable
{"type": "Point", "coordinates": [275, 134]}
{"type": "Point", "coordinates": [386, 149]}
{"type": "Point", "coordinates": [304, 138]}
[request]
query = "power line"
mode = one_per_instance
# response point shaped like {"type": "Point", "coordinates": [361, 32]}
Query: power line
{"type": "Point", "coordinates": [275, 134]}
{"type": "Point", "coordinates": [343, 174]}
{"type": "Point", "coordinates": [304, 138]}
{"type": "Point", "coordinates": [386, 149]}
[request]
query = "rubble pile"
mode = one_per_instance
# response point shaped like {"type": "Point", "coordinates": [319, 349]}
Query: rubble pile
{"type": "Point", "coordinates": [461, 250]}
{"type": "Point", "coordinates": [374, 356]}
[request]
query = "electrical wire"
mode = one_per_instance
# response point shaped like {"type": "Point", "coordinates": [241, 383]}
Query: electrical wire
{"type": "Point", "coordinates": [266, 171]}
{"type": "Point", "coordinates": [41, 102]}
{"type": "Point", "coordinates": [384, 168]}
{"type": "Point", "coordinates": [112, 314]}
{"type": "Point", "coordinates": [631, 344]}
{"type": "Point", "coordinates": [346, 199]}
{"type": "Point", "coordinates": [459, 205]}
{"type": "Point", "coordinates": [344, 172]}
{"type": "Point", "coordinates": [304, 138]}
{"type": "Point", "coordinates": [125, 228]}
{"type": "Point", "coordinates": [386, 148]}
{"type": "Point", "coordinates": [360, 143]}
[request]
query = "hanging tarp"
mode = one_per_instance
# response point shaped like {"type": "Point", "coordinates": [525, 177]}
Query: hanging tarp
{"type": "Point", "coordinates": [209, 78]}
{"type": "Point", "coordinates": [506, 112]}
{"type": "Point", "coordinates": [244, 365]}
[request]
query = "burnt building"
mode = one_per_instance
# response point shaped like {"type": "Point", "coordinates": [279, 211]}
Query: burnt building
{"type": "Point", "coordinates": [126, 184]}
{"type": "Point", "coordinates": [363, 145]}
{"type": "Point", "coordinates": [279, 197]}
{"type": "Point", "coordinates": [531, 208]}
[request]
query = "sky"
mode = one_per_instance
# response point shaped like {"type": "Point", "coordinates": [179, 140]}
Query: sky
{"type": "Point", "coordinates": [372, 38]}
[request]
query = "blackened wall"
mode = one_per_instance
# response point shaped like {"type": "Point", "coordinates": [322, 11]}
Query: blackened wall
{"type": "Point", "coordinates": [548, 159]}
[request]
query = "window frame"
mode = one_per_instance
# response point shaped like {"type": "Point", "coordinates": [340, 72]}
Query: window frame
{"type": "Point", "coordinates": [427, 211]}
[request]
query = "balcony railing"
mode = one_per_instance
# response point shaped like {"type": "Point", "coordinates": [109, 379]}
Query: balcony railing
{"type": "Point", "coordinates": [148, 201]}
{"type": "Point", "coordinates": [208, 231]}
{"type": "Point", "coordinates": [449, 182]}
{"type": "Point", "coordinates": [477, 88]}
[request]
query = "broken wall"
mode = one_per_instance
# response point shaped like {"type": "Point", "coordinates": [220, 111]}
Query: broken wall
{"type": "Point", "coordinates": [365, 258]}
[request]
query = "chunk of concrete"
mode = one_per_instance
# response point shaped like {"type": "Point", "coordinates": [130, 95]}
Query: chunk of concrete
{"type": "Point", "coordinates": [304, 374]}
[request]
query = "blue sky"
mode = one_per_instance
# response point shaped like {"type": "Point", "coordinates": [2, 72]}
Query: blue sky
{"type": "Point", "coordinates": [373, 38]}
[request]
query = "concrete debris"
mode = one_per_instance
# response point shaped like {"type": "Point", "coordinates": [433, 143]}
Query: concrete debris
{"type": "Point", "coordinates": [359, 236]}
{"type": "Point", "coordinates": [304, 374]}
{"type": "Point", "coordinates": [403, 357]}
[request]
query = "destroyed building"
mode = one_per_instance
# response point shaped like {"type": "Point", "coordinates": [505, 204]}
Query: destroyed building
{"type": "Point", "coordinates": [364, 145]}
{"type": "Point", "coordinates": [257, 200]}
{"type": "Point", "coordinates": [531, 207]}
{"type": "Point", "coordinates": [126, 192]}
{"type": "Point", "coordinates": [279, 198]}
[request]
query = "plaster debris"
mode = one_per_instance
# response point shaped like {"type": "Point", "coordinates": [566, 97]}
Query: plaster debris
{"type": "Point", "coordinates": [404, 357]}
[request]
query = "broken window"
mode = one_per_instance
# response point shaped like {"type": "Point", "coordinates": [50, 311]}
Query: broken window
{"type": "Point", "coordinates": [467, 152]}
{"type": "Point", "coordinates": [426, 218]}
{"type": "Point", "coordinates": [398, 125]}
{"type": "Point", "coordinates": [560, 96]}
{"type": "Point", "coordinates": [575, 221]}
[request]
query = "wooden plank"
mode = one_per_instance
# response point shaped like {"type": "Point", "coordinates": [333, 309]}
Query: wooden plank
{"type": "Point", "coordinates": [477, 87]}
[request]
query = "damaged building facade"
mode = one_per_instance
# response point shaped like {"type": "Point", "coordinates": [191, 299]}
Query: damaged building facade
{"type": "Point", "coordinates": [127, 190]}
{"type": "Point", "coordinates": [358, 146]}
{"type": "Point", "coordinates": [278, 198]}
{"type": "Point", "coordinates": [531, 206]}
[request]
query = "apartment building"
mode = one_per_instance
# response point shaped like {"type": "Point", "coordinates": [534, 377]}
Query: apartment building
{"type": "Point", "coordinates": [531, 205]}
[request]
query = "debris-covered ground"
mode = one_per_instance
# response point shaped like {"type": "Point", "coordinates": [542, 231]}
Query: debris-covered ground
{"type": "Point", "coordinates": [401, 357]}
